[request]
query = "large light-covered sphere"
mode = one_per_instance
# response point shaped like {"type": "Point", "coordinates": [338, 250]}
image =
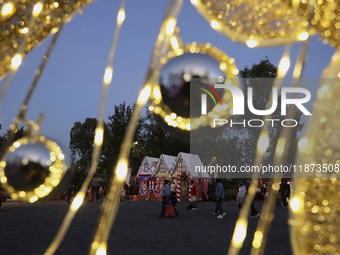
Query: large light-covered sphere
{"type": "Point", "coordinates": [176, 74]}
{"type": "Point", "coordinates": [185, 76]}
{"type": "Point", "coordinates": [33, 167]}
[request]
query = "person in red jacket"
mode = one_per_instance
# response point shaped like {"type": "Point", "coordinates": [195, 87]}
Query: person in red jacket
{"type": "Point", "coordinates": [193, 188]}
{"type": "Point", "coordinates": [90, 194]}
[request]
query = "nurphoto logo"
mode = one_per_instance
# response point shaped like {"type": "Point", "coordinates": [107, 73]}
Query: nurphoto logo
{"type": "Point", "coordinates": [238, 104]}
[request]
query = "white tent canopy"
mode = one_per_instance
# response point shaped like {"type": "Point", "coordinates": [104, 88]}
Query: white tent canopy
{"type": "Point", "coordinates": [148, 166]}
{"type": "Point", "coordinates": [189, 163]}
{"type": "Point", "coordinates": [165, 165]}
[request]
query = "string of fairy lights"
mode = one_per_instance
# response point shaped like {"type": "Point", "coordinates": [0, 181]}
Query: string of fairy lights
{"type": "Point", "coordinates": [314, 205]}
{"type": "Point", "coordinates": [98, 140]}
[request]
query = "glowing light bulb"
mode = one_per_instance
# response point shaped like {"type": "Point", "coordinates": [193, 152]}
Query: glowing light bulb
{"type": "Point", "coordinates": [240, 233]}
{"type": "Point", "coordinates": [24, 30]}
{"type": "Point", "coordinates": [284, 65]}
{"type": "Point", "coordinates": [157, 94]}
{"type": "Point", "coordinates": [16, 61]}
{"type": "Point", "coordinates": [303, 36]}
{"type": "Point", "coordinates": [303, 144]}
{"type": "Point", "coordinates": [77, 202]}
{"type": "Point", "coordinates": [144, 95]}
{"type": "Point", "coordinates": [214, 24]}
{"type": "Point", "coordinates": [121, 16]}
{"type": "Point", "coordinates": [263, 142]}
{"type": "Point", "coordinates": [98, 139]}
{"type": "Point", "coordinates": [295, 204]}
{"type": "Point", "coordinates": [170, 26]}
{"type": "Point", "coordinates": [121, 170]}
{"type": "Point", "coordinates": [108, 75]}
{"type": "Point", "coordinates": [37, 9]}
{"type": "Point", "coordinates": [7, 10]}
{"type": "Point", "coordinates": [174, 43]}
{"type": "Point", "coordinates": [101, 250]}
{"type": "Point", "coordinates": [251, 43]}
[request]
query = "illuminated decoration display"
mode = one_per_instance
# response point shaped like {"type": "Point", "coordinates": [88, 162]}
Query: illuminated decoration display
{"type": "Point", "coordinates": [32, 167]}
{"type": "Point", "coordinates": [315, 204]}
{"type": "Point", "coordinates": [258, 23]}
{"type": "Point", "coordinates": [172, 90]}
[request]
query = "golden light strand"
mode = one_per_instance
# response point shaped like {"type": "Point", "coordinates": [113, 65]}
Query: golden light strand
{"type": "Point", "coordinates": [111, 205]}
{"type": "Point", "coordinates": [263, 143]}
{"type": "Point", "coordinates": [98, 140]}
{"type": "Point", "coordinates": [267, 212]}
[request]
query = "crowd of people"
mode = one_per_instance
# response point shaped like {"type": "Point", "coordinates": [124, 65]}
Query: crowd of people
{"type": "Point", "coordinates": [96, 193]}
{"type": "Point", "coordinates": [169, 197]}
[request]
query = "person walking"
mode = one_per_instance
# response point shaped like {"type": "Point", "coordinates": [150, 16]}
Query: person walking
{"type": "Point", "coordinates": [193, 189]}
{"type": "Point", "coordinates": [165, 194]}
{"type": "Point", "coordinates": [254, 213]}
{"type": "Point", "coordinates": [90, 191]}
{"type": "Point", "coordinates": [219, 193]}
{"type": "Point", "coordinates": [284, 191]}
{"type": "Point", "coordinates": [101, 193]}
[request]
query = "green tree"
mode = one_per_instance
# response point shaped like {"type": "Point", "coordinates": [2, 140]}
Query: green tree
{"type": "Point", "coordinates": [117, 125]}
{"type": "Point", "coordinates": [81, 146]}
{"type": "Point", "coordinates": [19, 133]}
{"type": "Point", "coordinates": [159, 140]}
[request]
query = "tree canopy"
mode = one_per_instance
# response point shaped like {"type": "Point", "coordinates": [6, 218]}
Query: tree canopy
{"type": "Point", "coordinates": [150, 140]}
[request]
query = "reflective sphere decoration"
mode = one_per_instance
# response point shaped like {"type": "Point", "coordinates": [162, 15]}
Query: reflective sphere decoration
{"type": "Point", "coordinates": [32, 168]}
{"type": "Point", "coordinates": [184, 75]}
{"type": "Point", "coordinates": [258, 23]}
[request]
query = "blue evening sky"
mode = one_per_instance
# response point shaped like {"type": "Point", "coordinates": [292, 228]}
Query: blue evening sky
{"type": "Point", "coordinates": [69, 89]}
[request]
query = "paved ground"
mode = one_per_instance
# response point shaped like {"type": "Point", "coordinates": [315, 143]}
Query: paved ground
{"type": "Point", "coordinates": [29, 228]}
